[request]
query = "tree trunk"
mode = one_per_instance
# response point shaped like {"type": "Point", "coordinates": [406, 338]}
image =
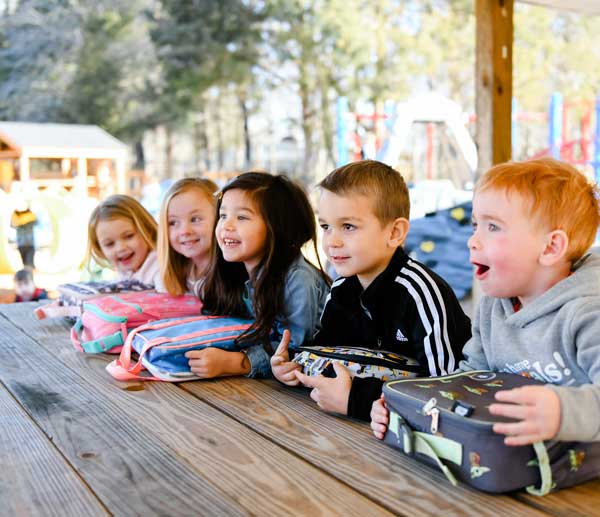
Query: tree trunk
{"type": "Point", "coordinates": [168, 152]}
{"type": "Point", "coordinates": [140, 159]}
{"type": "Point", "coordinates": [305, 175]}
{"type": "Point", "coordinates": [219, 134]}
{"type": "Point", "coordinates": [201, 142]}
{"type": "Point", "coordinates": [247, 145]}
{"type": "Point", "coordinates": [378, 123]}
{"type": "Point", "coordinates": [326, 122]}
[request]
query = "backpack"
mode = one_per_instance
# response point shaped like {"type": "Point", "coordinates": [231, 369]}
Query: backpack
{"type": "Point", "coordinates": [73, 295]}
{"type": "Point", "coordinates": [161, 346]}
{"type": "Point", "coordinates": [439, 240]}
{"type": "Point", "coordinates": [105, 321]}
{"type": "Point", "coordinates": [445, 422]}
{"type": "Point", "coordinates": [360, 362]}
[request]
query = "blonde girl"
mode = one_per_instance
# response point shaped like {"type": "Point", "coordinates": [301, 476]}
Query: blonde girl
{"type": "Point", "coordinates": [122, 236]}
{"type": "Point", "coordinates": [185, 235]}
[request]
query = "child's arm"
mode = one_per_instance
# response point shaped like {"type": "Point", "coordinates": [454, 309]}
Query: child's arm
{"type": "Point", "coordinates": [329, 394]}
{"type": "Point", "coordinates": [303, 300]}
{"type": "Point", "coordinates": [537, 409]}
{"type": "Point", "coordinates": [439, 327]}
{"type": "Point", "coordinates": [363, 393]}
{"type": "Point", "coordinates": [567, 412]}
{"type": "Point", "coordinates": [214, 362]}
{"type": "Point", "coordinates": [380, 418]}
{"type": "Point", "coordinates": [283, 369]}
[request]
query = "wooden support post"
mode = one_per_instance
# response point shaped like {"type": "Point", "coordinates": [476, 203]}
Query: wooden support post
{"type": "Point", "coordinates": [493, 88]}
{"type": "Point", "coordinates": [81, 180]}
{"type": "Point", "coordinates": [121, 175]}
{"type": "Point", "coordinates": [24, 168]}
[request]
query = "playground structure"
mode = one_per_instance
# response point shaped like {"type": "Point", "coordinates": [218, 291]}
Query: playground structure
{"type": "Point", "coordinates": [426, 138]}
{"type": "Point", "coordinates": [61, 232]}
{"type": "Point", "coordinates": [426, 134]}
{"type": "Point", "coordinates": [70, 156]}
{"type": "Point", "coordinates": [565, 118]}
{"type": "Point", "coordinates": [58, 170]}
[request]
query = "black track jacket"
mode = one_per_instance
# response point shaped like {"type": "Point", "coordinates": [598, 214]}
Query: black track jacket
{"type": "Point", "coordinates": [407, 309]}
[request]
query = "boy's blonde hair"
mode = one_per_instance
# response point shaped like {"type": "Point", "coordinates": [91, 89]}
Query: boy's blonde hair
{"type": "Point", "coordinates": [174, 267]}
{"type": "Point", "coordinates": [119, 206]}
{"type": "Point", "coordinates": [376, 180]}
{"type": "Point", "coordinates": [558, 196]}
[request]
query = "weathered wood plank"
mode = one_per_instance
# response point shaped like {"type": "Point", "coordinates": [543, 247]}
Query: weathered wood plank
{"type": "Point", "coordinates": [493, 80]}
{"type": "Point", "coordinates": [261, 476]}
{"type": "Point", "coordinates": [126, 467]}
{"type": "Point", "coordinates": [346, 450]}
{"type": "Point", "coordinates": [35, 479]}
{"type": "Point", "coordinates": [578, 501]}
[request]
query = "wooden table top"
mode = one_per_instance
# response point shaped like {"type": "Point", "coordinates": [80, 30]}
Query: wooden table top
{"type": "Point", "coordinates": [74, 441]}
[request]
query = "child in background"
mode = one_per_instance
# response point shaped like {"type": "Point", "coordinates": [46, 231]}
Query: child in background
{"type": "Point", "coordinates": [533, 223]}
{"type": "Point", "coordinates": [185, 235]}
{"type": "Point", "coordinates": [258, 271]}
{"type": "Point", "coordinates": [383, 299]}
{"type": "Point", "coordinates": [24, 220]}
{"type": "Point", "coordinates": [25, 289]}
{"type": "Point", "coordinates": [122, 236]}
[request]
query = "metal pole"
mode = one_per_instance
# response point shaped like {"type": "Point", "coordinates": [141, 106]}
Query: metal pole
{"type": "Point", "coordinates": [342, 131]}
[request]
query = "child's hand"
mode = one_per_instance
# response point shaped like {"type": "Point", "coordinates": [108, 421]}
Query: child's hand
{"type": "Point", "coordinates": [283, 369]}
{"type": "Point", "coordinates": [380, 418]}
{"type": "Point", "coordinates": [329, 394]}
{"type": "Point", "coordinates": [208, 363]}
{"type": "Point", "coordinates": [537, 408]}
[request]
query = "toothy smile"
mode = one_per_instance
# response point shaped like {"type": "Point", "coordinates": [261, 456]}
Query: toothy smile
{"type": "Point", "coordinates": [127, 257]}
{"type": "Point", "coordinates": [231, 242]}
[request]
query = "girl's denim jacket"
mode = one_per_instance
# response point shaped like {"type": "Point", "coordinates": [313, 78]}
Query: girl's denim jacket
{"type": "Point", "coordinates": [304, 297]}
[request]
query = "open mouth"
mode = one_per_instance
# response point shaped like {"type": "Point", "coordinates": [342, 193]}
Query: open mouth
{"type": "Point", "coordinates": [127, 257]}
{"type": "Point", "coordinates": [480, 269]}
{"type": "Point", "coordinates": [230, 242]}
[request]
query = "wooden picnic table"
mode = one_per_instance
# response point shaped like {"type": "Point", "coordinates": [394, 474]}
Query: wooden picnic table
{"type": "Point", "coordinates": [74, 441]}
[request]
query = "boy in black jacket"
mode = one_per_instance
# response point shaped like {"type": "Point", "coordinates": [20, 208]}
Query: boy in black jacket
{"type": "Point", "coordinates": [384, 300]}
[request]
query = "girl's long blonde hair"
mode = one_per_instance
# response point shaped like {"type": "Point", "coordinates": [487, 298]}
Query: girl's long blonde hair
{"type": "Point", "coordinates": [174, 267]}
{"type": "Point", "coordinates": [119, 206]}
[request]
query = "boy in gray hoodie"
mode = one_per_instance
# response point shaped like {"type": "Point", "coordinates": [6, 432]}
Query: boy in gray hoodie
{"type": "Point", "coordinates": [533, 223]}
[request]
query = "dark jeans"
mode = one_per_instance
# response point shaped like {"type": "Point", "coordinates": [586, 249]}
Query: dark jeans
{"type": "Point", "coordinates": [27, 254]}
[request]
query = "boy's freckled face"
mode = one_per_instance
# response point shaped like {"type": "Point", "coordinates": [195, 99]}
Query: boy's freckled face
{"type": "Point", "coordinates": [353, 238]}
{"type": "Point", "coordinates": [505, 246]}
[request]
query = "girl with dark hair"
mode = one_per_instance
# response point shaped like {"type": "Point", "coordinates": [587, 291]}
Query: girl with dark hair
{"type": "Point", "coordinates": [258, 271]}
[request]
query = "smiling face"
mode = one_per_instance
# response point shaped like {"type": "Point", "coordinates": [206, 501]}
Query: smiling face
{"type": "Point", "coordinates": [191, 218]}
{"type": "Point", "coordinates": [506, 246]}
{"type": "Point", "coordinates": [241, 230]}
{"type": "Point", "coordinates": [122, 244]}
{"type": "Point", "coordinates": [354, 240]}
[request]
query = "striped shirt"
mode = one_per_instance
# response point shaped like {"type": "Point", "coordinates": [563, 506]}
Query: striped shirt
{"type": "Point", "coordinates": [407, 309]}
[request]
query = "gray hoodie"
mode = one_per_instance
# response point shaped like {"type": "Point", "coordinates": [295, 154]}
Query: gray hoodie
{"type": "Point", "coordinates": [556, 339]}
